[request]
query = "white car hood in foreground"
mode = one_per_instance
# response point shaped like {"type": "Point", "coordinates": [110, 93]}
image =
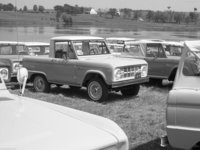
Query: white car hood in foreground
{"type": "Point", "coordinates": [28, 124]}
{"type": "Point", "coordinates": [114, 61]}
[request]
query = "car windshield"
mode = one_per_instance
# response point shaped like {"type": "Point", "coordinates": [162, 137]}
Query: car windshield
{"type": "Point", "coordinates": [35, 50]}
{"type": "Point", "coordinates": [128, 48]}
{"type": "Point", "coordinates": [93, 47]}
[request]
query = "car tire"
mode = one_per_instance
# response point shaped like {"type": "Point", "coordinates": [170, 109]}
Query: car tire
{"type": "Point", "coordinates": [41, 84]}
{"type": "Point", "coordinates": [132, 91]}
{"type": "Point", "coordinates": [97, 90]}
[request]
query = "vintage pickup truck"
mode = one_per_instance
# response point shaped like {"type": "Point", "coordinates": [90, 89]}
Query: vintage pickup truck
{"type": "Point", "coordinates": [85, 61]}
{"type": "Point", "coordinates": [183, 103]}
{"type": "Point", "coordinates": [14, 52]}
{"type": "Point", "coordinates": [162, 56]}
{"type": "Point", "coordinates": [31, 124]}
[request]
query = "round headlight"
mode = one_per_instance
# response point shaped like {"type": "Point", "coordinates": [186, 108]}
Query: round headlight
{"type": "Point", "coordinates": [118, 74]}
{"type": "Point", "coordinates": [144, 70]}
{"type": "Point", "coordinates": [4, 73]}
{"type": "Point", "coordinates": [16, 66]}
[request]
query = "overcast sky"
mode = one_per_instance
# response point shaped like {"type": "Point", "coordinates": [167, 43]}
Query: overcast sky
{"type": "Point", "coordinates": [176, 5]}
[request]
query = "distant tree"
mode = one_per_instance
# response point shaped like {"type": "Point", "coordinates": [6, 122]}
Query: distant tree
{"type": "Point", "coordinates": [66, 19]}
{"type": "Point", "coordinates": [112, 12]}
{"type": "Point", "coordinates": [150, 15]}
{"type": "Point", "coordinates": [187, 19]}
{"type": "Point", "coordinates": [137, 14]}
{"type": "Point", "coordinates": [160, 17]}
{"type": "Point", "coordinates": [193, 16]}
{"type": "Point", "coordinates": [41, 8]}
{"type": "Point", "coordinates": [100, 12]}
{"type": "Point", "coordinates": [127, 12]}
{"type": "Point", "coordinates": [195, 9]}
{"type": "Point", "coordinates": [58, 8]}
{"type": "Point", "coordinates": [25, 8]}
{"type": "Point", "coordinates": [35, 8]}
{"type": "Point", "coordinates": [8, 7]}
{"type": "Point", "coordinates": [179, 17]}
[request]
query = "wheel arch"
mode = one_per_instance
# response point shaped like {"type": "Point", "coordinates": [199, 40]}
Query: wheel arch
{"type": "Point", "coordinates": [34, 74]}
{"type": "Point", "coordinates": [93, 74]}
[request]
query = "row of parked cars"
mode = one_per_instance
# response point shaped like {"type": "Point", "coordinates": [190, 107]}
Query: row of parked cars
{"type": "Point", "coordinates": [120, 64]}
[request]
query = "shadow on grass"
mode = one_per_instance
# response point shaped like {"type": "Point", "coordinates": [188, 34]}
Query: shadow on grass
{"type": "Point", "coordinates": [152, 145]}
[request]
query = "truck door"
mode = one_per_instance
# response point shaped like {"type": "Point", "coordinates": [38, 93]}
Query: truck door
{"type": "Point", "coordinates": [156, 58]}
{"type": "Point", "coordinates": [64, 63]}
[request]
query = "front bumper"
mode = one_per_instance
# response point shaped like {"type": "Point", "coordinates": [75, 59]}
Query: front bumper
{"type": "Point", "coordinates": [129, 82]}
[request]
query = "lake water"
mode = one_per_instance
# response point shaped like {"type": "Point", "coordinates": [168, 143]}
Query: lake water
{"type": "Point", "coordinates": [43, 33]}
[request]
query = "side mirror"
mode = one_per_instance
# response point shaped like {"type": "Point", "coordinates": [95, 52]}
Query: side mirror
{"type": "Point", "coordinates": [22, 75]}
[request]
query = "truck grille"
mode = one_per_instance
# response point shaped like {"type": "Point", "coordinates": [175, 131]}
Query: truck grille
{"type": "Point", "coordinates": [132, 71]}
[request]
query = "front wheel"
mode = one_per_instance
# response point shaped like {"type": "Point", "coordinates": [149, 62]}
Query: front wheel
{"type": "Point", "coordinates": [41, 84]}
{"type": "Point", "coordinates": [132, 91]}
{"type": "Point", "coordinates": [97, 90]}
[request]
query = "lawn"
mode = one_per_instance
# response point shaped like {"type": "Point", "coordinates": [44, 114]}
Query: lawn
{"type": "Point", "coordinates": [142, 117]}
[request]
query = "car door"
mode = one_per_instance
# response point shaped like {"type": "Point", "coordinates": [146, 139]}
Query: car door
{"type": "Point", "coordinates": [156, 58]}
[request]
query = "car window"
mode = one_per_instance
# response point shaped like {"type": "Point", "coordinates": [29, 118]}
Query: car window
{"type": "Point", "coordinates": [191, 64]}
{"type": "Point", "coordinates": [64, 50]}
{"type": "Point", "coordinates": [154, 50]}
{"type": "Point", "coordinates": [83, 48]}
{"type": "Point", "coordinates": [172, 50]}
{"type": "Point", "coordinates": [6, 50]}
{"type": "Point", "coordinates": [133, 49]}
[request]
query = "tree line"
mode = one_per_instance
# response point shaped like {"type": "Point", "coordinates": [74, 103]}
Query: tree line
{"type": "Point", "coordinates": [11, 7]}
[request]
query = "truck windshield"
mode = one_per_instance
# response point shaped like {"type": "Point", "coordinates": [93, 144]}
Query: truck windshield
{"type": "Point", "coordinates": [83, 48]}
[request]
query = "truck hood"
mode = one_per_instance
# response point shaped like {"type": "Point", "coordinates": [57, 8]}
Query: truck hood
{"type": "Point", "coordinates": [12, 57]}
{"type": "Point", "coordinates": [114, 61]}
{"type": "Point", "coordinates": [29, 124]}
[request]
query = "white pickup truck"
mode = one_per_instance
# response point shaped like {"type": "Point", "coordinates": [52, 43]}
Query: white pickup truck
{"type": "Point", "coordinates": [85, 61]}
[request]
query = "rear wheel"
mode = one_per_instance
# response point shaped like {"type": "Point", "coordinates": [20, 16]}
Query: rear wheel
{"type": "Point", "coordinates": [132, 91]}
{"type": "Point", "coordinates": [41, 84]}
{"type": "Point", "coordinates": [97, 90]}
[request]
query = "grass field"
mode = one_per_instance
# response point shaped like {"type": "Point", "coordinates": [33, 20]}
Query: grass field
{"type": "Point", "coordinates": [142, 117]}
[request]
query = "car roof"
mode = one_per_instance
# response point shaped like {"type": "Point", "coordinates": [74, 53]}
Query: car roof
{"type": "Point", "coordinates": [35, 44]}
{"type": "Point", "coordinates": [120, 39]}
{"type": "Point", "coordinates": [173, 43]}
{"type": "Point", "coordinates": [10, 43]}
{"type": "Point", "coordinates": [78, 38]}
{"type": "Point", "coordinates": [23, 43]}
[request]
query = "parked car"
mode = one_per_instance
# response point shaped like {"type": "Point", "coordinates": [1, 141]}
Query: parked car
{"type": "Point", "coordinates": [162, 56]}
{"type": "Point", "coordinates": [30, 124]}
{"type": "Point", "coordinates": [183, 111]}
{"type": "Point", "coordinates": [85, 61]}
{"type": "Point", "coordinates": [15, 51]}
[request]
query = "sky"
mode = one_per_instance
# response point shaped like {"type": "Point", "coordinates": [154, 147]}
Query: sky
{"type": "Point", "coordinates": [176, 5]}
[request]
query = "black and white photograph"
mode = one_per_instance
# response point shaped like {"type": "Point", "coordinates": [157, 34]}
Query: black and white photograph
{"type": "Point", "coordinates": [100, 75]}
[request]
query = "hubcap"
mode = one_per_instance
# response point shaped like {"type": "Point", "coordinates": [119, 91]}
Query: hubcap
{"type": "Point", "coordinates": [39, 84]}
{"type": "Point", "coordinates": [95, 90]}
